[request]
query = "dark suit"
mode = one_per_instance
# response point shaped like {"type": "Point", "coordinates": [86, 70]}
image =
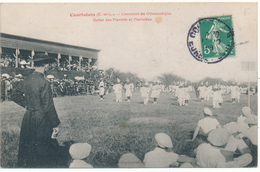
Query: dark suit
{"type": "Point", "coordinates": [36, 147]}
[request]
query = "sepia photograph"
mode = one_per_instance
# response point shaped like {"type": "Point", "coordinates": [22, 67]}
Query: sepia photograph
{"type": "Point", "coordinates": [129, 85]}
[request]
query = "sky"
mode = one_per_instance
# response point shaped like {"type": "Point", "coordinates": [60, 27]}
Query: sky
{"type": "Point", "coordinates": [147, 48]}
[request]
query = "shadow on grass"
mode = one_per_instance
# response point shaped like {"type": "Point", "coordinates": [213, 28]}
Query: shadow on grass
{"type": "Point", "coordinates": [9, 148]}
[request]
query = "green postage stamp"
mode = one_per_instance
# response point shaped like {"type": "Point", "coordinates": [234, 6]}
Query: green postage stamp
{"type": "Point", "coordinates": [216, 37]}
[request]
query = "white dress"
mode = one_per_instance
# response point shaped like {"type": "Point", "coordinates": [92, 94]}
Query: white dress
{"type": "Point", "coordinates": [128, 90]}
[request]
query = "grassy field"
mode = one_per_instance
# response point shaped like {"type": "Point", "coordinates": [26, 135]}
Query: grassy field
{"type": "Point", "coordinates": [117, 128]}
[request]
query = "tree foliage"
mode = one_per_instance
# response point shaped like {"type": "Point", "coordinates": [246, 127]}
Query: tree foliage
{"type": "Point", "coordinates": [169, 78]}
{"type": "Point", "coordinates": [112, 74]}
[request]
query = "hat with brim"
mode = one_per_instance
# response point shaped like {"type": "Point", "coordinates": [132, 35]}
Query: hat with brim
{"type": "Point", "coordinates": [163, 140]}
{"type": "Point", "coordinates": [5, 75]}
{"type": "Point", "coordinates": [50, 76]}
{"type": "Point", "coordinates": [218, 137]}
{"type": "Point", "coordinates": [23, 62]}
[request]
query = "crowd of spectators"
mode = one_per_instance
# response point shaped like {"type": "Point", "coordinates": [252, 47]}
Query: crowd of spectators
{"type": "Point", "coordinates": [8, 60]}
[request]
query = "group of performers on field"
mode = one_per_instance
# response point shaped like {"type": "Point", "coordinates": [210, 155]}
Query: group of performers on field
{"type": "Point", "coordinates": [182, 91]}
{"type": "Point", "coordinates": [145, 89]}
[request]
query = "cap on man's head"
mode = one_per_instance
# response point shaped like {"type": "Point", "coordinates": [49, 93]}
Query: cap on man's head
{"type": "Point", "coordinates": [80, 150]}
{"type": "Point", "coordinates": [40, 59]}
{"type": "Point", "coordinates": [163, 140]}
{"type": "Point", "coordinates": [207, 111]}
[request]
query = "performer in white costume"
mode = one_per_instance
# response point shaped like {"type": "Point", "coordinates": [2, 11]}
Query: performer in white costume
{"type": "Point", "coordinates": [118, 91]}
{"type": "Point", "coordinates": [128, 90]}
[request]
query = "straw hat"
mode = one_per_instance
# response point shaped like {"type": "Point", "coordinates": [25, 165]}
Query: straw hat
{"type": "Point", "coordinates": [5, 75]}
{"type": "Point", "coordinates": [23, 62]}
{"type": "Point", "coordinates": [50, 76]}
{"type": "Point", "coordinates": [163, 140]}
{"type": "Point", "coordinates": [80, 150]}
{"type": "Point", "coordinates": [218, 137]}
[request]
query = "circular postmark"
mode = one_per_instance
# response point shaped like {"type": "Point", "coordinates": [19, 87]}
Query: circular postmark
{"type": "Point", "coordinates": [211, 40]}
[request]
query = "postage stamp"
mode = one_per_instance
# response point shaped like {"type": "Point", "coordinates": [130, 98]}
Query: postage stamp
{"type": "Point", "coordinates": [211, 39]}
{"type": "Point", "coordinates": [215, 37]}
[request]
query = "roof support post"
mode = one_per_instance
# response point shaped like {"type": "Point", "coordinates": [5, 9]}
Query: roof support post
{"type": "Point", "coordinates": [59, 57]}
{"type": "Point", "coordinates": [17, 52]}
{"type": "Point", "coordinates": [70, 59]}
{"type": "Point", "coordinates": [89, 61]}
{"type": "Point", "coordinates": [32, 54]}
{"type": "Point", "coordinates": [80, 59]}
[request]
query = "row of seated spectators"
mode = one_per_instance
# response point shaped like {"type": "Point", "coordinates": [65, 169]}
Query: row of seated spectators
{"type": "Point", "coordinates": [9, 61]}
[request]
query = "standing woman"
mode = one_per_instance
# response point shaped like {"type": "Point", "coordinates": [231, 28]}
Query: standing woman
{"type": "Point", "coordinates": [155, 92]}
{"type": "Point", "coordinates": [118, 91]}
{"type": "Point", "coordinates": [187, 90]}
{"type": "Point", "coordinates": [37, 145]}
{"type": "Point", "coordinates": [128, 90]}
{"type": "Point", "coordinates": [101, 87]}
{"type": "Point", "coordinates": [145, 90]}
{"type": "Point", "coordinates": [217, 97]}
{"type": "Point", "coordinates": [234, 92]}
{"type": "Point", "coordinates": [181, 95]}
{"type": "Point", "coordinates": [202, 90]}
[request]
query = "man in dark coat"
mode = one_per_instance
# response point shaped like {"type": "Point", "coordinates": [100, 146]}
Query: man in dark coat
{"type": "Point", "coordinates": [2, 89]}
{"type": "Point", "coordinates": [37, 146]}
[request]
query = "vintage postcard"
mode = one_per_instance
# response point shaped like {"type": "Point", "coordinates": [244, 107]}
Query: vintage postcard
{"type": "Point", "coordinates": [129, 85]}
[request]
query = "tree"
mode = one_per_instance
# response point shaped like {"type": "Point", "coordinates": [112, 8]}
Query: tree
{"type": "Point", "coordinates": [112, 74]}
{"type": "Point", "coordinates": [169, 78]}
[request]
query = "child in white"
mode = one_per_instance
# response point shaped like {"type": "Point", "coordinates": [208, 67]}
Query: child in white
{"type": "Point", "coordinates": [101, 87]}
{"type": "Point", "coordinates": [234, 92]}
{"type": "Point", "coordinates": [202, 90]}
{"type": "Point", "coordinates": [181, 95]}
{"type": "Point", "coordinates": [187, 90]}
{"type": "Point", "coordinates": [217, 98]}
{"type": "Point", "coordinates": [128, 90]}
{"type": "Point", "coordinates": [155, 92]}
{"type": "Point", "coordinates": [118, 91]}
{"type": "Point", "coordinates": [78, 152]}
{"type": "Point", "coordinates": [145, 90]}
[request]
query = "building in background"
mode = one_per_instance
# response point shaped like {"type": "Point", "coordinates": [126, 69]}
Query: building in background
{"type": "Point", "coordinates": [17, 50]}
